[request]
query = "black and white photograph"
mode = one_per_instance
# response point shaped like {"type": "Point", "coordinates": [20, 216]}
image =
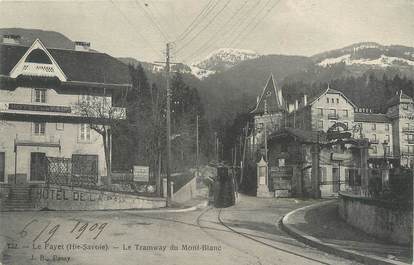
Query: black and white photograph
{"type": "Point", "coordinates": [206, 132]}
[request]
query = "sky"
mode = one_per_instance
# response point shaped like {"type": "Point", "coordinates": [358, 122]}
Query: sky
{"type": "Point", "coordinates": [141, 28]}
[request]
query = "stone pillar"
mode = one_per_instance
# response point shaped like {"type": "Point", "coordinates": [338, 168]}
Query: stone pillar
{"type": "Point", "coordinates": [164, 188]}
{"type": "Point", "coordinates": [364, 168]}
{"type": "Point", "coordinates": [262, 180]}
{"type": "Point", "coordinates": [298, 175]}
{"type": "Point", "coordinates": [315, 172]}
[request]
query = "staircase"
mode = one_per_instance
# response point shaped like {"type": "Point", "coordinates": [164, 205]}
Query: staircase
{"type": "Point", "coordinates": [18, 199]}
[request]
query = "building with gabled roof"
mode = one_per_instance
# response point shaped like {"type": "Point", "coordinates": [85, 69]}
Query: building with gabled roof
{"type": "Point", "coordinates": [43, 137]}
{"type": "Point", "coordinates": [268, 114]}
{"type": "Point", "coordinates": [390, 135]}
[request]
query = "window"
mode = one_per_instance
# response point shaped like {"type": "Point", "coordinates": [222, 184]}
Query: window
{"type": "Point", "coordinates": [327, 100]}
{"type": "Point", "coordinates": [410, 137]}
{"type": "Point", "coordinates": [374, 149]}
{"type": "Point", "coordinates": [322, 174]}
{"type": "Point", "coordinates": [40, 95]}
{"type": "Point", "coordinates": [387, 127]}
{"type": "Point", "coordinates": [84, 132]}
{"type": "Point", "coordinates": [337, 100]}
{"type": "Point", "coordinates": [345, 113]}
{"type": "Point", "coordinates": [387, 150]}
{"type": "Point", "coordinates": [332, 111]}
{"type": "Point", "coordinates": [320, 124]}
{"type": "Point", "coordinates": [2, 166]}
{"type": "Point", "coordinates": [39, 128]}
{"type": "Point", "coordinates": [411, 149]}
{"type": "Point", "coordinates": [373, 126]}
{"type": "Point", "coordinates": [320, 112]}
{"type": "Point", "coordinates": [60, 126]}
{"type": "Point", "coordinates": [374, 137]}
{"type": "Point", "coordinates": [332, 100]}
{"type": "Point", "coordinates": [354, 179]}
{"type": "Point", "coordinates": [387, 138]}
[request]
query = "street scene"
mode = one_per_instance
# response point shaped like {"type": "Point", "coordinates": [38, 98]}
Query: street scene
{"type": "Point", "coordinates": [206, 132]}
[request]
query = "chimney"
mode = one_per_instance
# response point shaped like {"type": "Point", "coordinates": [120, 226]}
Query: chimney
{"type": "Point", "coordinates": [82, 46]}
{"type": "Point", "coordinates": [296, 104]}
{"type": "Point", "coordinates": [11, 39]}
{"type": "Point", "coordinates": [305, 100]}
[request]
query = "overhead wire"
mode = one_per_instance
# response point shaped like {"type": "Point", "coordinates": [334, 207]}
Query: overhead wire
{"type": "Point", "coordinates": [241, 38]}
{"type": "Point", "coordinates": [188, 30]}
{"type": "Point", "coordinates": [238, 22]}
{"type": "Point", "coordinates": [134, 28]}
{"type": "Point", "coordinates": [153, 20]}
{"type": "Point", "coordinates": [248, 24]}
{"type": "Point", "coordinates": [209, 43]}
{"type": "Point", "coordinates": [208, 24]}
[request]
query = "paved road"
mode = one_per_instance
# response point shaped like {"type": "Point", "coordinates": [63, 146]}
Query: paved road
{"type": "Point", "coordinates": [242, 234]}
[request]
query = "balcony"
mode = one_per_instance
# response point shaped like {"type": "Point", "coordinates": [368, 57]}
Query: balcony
{"type": "Point", "coordinates": [37, 140]}
{"type": "Point", "coordinates": [333, 116]}
{"type": "Point", "coordinates": [59, 110]}
{"type": "Point", "coordinates": [376, 141]}
{"type": "Point", "coordinates": [410, 141]}
{"type": "Point", "coordinates": [40, 107]}
{"type": "Point", "coordinates": [408, 129]}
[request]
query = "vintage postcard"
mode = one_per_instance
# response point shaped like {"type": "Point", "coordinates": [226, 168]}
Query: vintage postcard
{"type": "Point", "coordinates": [235, 132]}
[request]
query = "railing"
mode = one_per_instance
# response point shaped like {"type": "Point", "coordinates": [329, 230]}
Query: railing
{"type": "Point", "coordinates": [408, 129]}
{"type": "Point", "coordinates": [333, 116]}
{"type": "Point", "coordinates": [109, 112]}
{"type": "Point", "coordinates": [40, 107]}
{"type": "Point", "coordinates": [37, 140]}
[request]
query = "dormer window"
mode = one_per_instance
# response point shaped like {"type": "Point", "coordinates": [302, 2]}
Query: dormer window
{"type": "Point", "coordinates": [38, 56]}
{"type": "Point", "coordinates": [40, 95]}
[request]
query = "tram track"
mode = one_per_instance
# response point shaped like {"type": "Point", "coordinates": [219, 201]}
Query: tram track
{"type": "Point", "coordinates": [264, 243]}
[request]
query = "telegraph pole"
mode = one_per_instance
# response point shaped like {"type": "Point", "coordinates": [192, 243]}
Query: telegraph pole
{"type": "Point", "coordinates": [198, 148]}
{"type": "Point", "coordinates": [167, 72]}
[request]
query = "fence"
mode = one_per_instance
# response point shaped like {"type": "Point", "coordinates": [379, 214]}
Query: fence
{"type": "Point", "coordinates": [84, 174]}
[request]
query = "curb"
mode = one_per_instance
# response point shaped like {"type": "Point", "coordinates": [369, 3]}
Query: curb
{"type": "Point", "coordinates": [182, 210]}
{"type": "Point", "coordinates": [331, 248]}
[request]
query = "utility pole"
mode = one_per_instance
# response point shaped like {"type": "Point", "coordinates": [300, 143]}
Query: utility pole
{"type": "Point", "coordinates": [265, 141]}
{"type": "Point", "coordinates": [198, 149]}
{"type": "Point", "coordinates": [216, 146]}
{"type": "Point", "coordinates": [167, 72]}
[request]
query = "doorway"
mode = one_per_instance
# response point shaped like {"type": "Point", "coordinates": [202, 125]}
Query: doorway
{"type": "Point", "coordinates": [38, 166]}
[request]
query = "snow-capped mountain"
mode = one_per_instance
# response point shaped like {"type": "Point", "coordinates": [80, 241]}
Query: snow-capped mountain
{"type": "Point", "coordinates": [368, 53]}
{"type": "Point", "coordinates": [222, 59]}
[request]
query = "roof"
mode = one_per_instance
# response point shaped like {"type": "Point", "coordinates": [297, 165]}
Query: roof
{"type": "Point", "coordinates": [78, 66]}
{"type": "Point", "coordinates": [329, 91]}
{"type": "Point", "coordinates": [304, 136]}
{"type": "Point", "coordinates": [371, 117]}
{"type": "Point", "coordinates": [271, 99]}
{"type": "Point", "coordinates": [398, 98]}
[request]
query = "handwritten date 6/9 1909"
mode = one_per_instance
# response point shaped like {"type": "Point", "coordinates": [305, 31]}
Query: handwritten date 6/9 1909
{"type": "Point", "coordinates": [48, 230]}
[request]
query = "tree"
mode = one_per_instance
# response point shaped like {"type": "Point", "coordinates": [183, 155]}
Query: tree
{"type": "Point", "coordinates": [102, 117]}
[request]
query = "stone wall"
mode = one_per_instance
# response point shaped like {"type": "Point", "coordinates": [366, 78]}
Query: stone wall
{"type": "Point", "coordinates": [388, 221]}
{"type": "Point", "coordinates": [65, 198]}
{"type": "Point", "coordinates": [186, 192]}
